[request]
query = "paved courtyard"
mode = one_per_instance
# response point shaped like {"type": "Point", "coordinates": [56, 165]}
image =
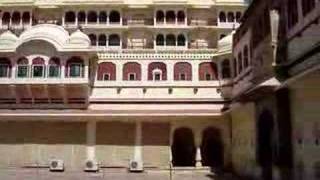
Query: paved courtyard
{"type": "Point", "coordinates": [43, 174]}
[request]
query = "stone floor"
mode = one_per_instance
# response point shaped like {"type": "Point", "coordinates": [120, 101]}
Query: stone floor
{"type": "Point", "coordinates": [44, 174]}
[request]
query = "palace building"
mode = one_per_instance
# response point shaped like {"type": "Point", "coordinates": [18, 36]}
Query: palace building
{"type": "Point", "coordinates": [112, 83]}
{"type": "Point", "coordinates": [161, 85]}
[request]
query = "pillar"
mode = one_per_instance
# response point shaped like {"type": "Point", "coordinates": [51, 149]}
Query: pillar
{"type": "Point", "coordinates": [195, 71]}
{"type": "Point", "coordinates": [198, 140]}
{"type": "Point", "coordinates": [144, 71]}
{"type": "Point", "coordinates": [170, 70]}
{"type": "Point", "coordinates": [138, 142]}
{"type": "Point", "coordinates": [86, 68]}
{"type": "Point", "coordinates": [91, 140]}
{"type": "Point", "coordinates": [119, 74]}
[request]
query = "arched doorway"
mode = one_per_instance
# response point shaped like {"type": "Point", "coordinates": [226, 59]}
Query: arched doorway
{"type": "Point", "coordinates": [183, 148]}
{"type": "Point", "coordinates": [265, 145]}
{"type": "Point", "coordinates": [212, 148]}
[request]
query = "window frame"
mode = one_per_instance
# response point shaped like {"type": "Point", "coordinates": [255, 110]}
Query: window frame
{"type": "Point", "coordinates": [206, 75]}
{"type": "Point", "coordinates": [106, 75]}
{"type": "Point", "coordinates": [134, 75]}
{"type": "Point", "coordinates": [69, 70]}
{"type": "Point", "coordinates": [185, 77]}
{"type": "Point", "coordinates": [49, 70]}
{"type": "Point", "coordinates": [43, 70]}
{"type": "Point", "coordinates": [7, 70]}
{"type": "Point", "coordinates": [27, 70]}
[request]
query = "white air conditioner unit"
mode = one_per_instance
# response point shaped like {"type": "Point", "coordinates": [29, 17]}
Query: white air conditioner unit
{"type": "Point", "coordinates": [91, 166]}
{"type": "Point", "coordinates": [135, 166]}
{"type": "Point", "coordinates": [56, 165]}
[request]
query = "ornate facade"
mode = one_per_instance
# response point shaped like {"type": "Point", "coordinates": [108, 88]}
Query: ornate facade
{"type": "Point", "coordinates": [115, 81]}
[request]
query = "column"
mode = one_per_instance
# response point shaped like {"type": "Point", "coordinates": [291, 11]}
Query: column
{"type": "Point", "coordinates": [176, 18]}
{"type": "Point", "coordinates": [10, 22]}
{"type": "Point", "coordinates": [185, 18]}
{"type": "Point", "coordinates": [86, 19]}
{"type": "Point", "coordinates": [119, 71]}
{"type": "Point", "coordinates": [63, 18]}
{"type": "Point", "coordinates": [138, 142]}
{"type": "Point", "coordinates": [63, 69]}
{"type": "Point", "coordinates": [170, 69]}
{"type": "Point", "coordinates": [198, 140]}
{"type": "Point", "coordinates": [86, 69]}
{"type": "Point", "coordinates": [219, 66]}
{"type": "Point", "coordinates": [144, 71]}
{"type": "Point", "coordinates": [31, 15]}
{"type": "Point", "coordinates": [76, 21]}
{"type": "Point", "coordinates": [91, 140]}
{"type": "Point", "coordinates": [195, 71]}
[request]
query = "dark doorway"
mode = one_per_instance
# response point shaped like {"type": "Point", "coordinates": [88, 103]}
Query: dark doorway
{"type": "Point", "coordinates": [183, 148]}
{"type": "Point", "coordinates": [212, 148]}
{"type": "Point", "coordinates": [265, 144]}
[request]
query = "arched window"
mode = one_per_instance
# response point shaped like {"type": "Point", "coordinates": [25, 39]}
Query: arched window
{"type": "Point", "coordinates": [54, 67]}
{"type": "Point", "coordinates": [182, 71]}
{"type": "Point", "coordinates": [6, 18]}
{"type": "Point", "coordinates": [38, 67]}
{"type": "Point", "coordinates": [246, 57]}
{"type": "Point", "coordinates": [93, 39]}
{"type": "Point", "coordinates": [207, 71]}
{"type": "Point", "coordinates": [226, 73]}
{"type": "Point", "coordinates": [181, 17]}
{"type": "Point", "coordinates": [159, 17]}
{"type": "Point", "coordinates": [75, 67]}
{"type": "Point", "coordinates": [102, 40]}
{"type": "Point", "coordinates": [106, 71]}
{"type": "Point", "coordinates": [170, 40]}
{"type": "Point", "coordinates": [222, 17]}
{"type": "Point", "coordinates": [81, 17]}
{"type": "Point", "coordinates": [70, 17]}
{"type": "Point", "coordinates": [170, 17]}
{"type": "Point", "coordinates": [160, 40]}
{"type": "Point", "coordinates": [114, 40]}
{"type": "Point", "coordinates": [5, 68]}
{"type": "Point", "coordinates": [114, 17]}
{"type": "Point", "coordinates": [26, 18]}
{"type": "Point", "coordinates": [23, 67]}
{"type": "Point", "coordinates": [103, 17]}
{"type": "Point", "coordinates": [181, 40]}
{"type": "Point", "coordinates": [230, 17]}
{"type": "Point", "coordinates": [92, 17]}
{"type": "Point", "coordinates": [240, 63]}
{"type": "Point", "coordinates": [132, 71]}
{"type": "Point", "coordinates": [157, 71]}
{"type": "Point", "coordinates": [238, 16]}
{"type": "Point", "coordinates": [16, 17]}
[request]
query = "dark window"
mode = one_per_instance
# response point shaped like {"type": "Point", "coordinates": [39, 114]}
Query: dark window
{"type": "Point", "coordinates": [114, 17]}
{"type": "Point", "coordinates": [181, 40]}
{"type": "Point", "coordinates": [103, 17]}
{"type": "Point", "coordinates": [160, 16]}
{"type": "Point", "coordinates": [160, 40]}
{"type": "Point", "coordinates": [93, 39]}
{"type": "Point", "coordinates": [170, 17]}
{"type": "Point", "coordinates": [183, 77]}
{"type": "Point", "coordinates": [54, 70]}
{"type": "Point", "coordinates": [6, 18]}
{"type": "Point", "coordinates": [114, 40]}
{"type": "Point", "coordinates": [132, 77]}
{"type": "Point", "coordinates": [70, 17]}
{"type": "Point", "coordinates": [4, 70]}
{"type": "Point", "coordinates": [22, 71]}
{"type": "Point", "coordinates": [222, 17]}
{"type": "Point", "coordinates": [230, 17]}
{"type": "Point", "coordinates": [92, 17]}
{"type": "Point", "coordinates": [75, 70]}
{"type": "Point", "coordinates": [16, 18]}
{"type": "Point", "coordinates": [81, 17]}
{"type": "Point", "coordinates": [157, 76]}
{"type": "Point", "coordinates": [170, 40]}
{"type": "Point", "coordinates": [181, 17]}
{"type": "Point", "coordinates": [38, 71]}
{"type": "Point", "coordinates": [106, 77]}
{"type": "Point", "coordinates": [26, 18]}
{"type": "Point", "coordinates": [102, 40]}
{"type": "Point", "coordinates": [238, 16]}
{"type": "Point", "coordinates": [208, 77]}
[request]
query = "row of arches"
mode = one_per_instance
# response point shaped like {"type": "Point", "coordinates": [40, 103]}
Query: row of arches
{"type": "Point", "coordinates": [241, 62]}
{"type": "Point", "coordinates": [170, 16]}
{"type": "Point", "coordinates": [230, 17]}
{"type": "Point", "coordinates": [157, 71]}
{"type": "Point", "coordinates": [184, 149]}
{"type": "Point", "coordinates": [93, 17]}
{"type": "Point", "coordinates": [171, 40]}
{"type": "Point", "coordinates": [16, 18]}
{"type": "Point", "coordinates": [104, 40]}
{"type": "Point", "coordinates": [39, 68]}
